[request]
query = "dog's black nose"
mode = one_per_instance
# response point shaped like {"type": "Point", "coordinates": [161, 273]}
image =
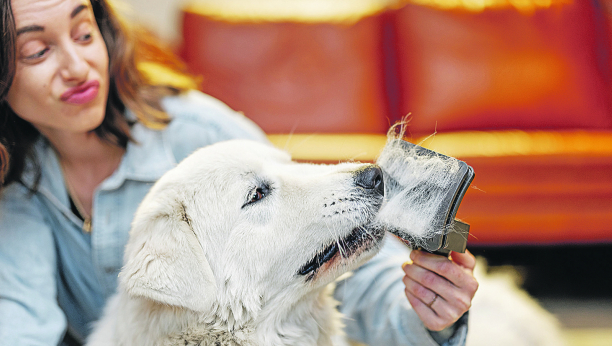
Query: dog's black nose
{"type": "Point", "coordinates": [370, 178]}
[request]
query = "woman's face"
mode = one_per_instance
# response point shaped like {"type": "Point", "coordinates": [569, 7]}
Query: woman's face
{"type": "Point", "coordinates": [61, 80]}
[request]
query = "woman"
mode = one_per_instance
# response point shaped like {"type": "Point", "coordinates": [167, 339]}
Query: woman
{"type": "Point", "coordinates": [83, 135]}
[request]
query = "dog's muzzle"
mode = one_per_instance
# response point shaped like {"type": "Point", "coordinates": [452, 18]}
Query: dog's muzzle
{"type": "Point", "coordinates": [370, 180]}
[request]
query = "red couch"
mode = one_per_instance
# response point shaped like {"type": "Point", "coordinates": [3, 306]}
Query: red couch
{"type": "Point", "coordinates": [524, 95]}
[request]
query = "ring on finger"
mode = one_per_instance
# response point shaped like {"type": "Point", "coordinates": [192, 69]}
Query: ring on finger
{"type": "Point", "coordinates": [433, 301]}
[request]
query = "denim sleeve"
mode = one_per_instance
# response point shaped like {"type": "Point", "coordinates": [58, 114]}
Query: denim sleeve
{"type": "Point", "coordinates": [200, 120]}
{"type": "Point", "coordinates": [29, 314]}
{"type": "Point", "coordinates": [376, 308]}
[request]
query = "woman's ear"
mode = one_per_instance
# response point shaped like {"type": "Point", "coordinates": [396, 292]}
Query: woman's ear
{"type": "Point", "coordinates": [165, 262]}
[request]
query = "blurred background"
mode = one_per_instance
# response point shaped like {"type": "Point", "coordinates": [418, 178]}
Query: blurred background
{"type": "Point", "coordinates": [519, 89]}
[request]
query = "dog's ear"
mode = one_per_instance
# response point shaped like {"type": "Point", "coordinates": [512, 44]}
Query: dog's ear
{"type": "Point", "coordinates": [166, 263]}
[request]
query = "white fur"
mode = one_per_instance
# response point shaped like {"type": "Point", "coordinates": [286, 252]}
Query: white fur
{"type": "Point", "coordinates": [413, 203]}
{"type": "Point", "coordinates": [203, 267]}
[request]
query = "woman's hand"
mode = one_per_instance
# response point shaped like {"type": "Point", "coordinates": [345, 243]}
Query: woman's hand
{"type": "Point", "coordinates": [440, 289]}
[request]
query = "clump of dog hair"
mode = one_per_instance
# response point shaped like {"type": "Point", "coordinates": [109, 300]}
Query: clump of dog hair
{"type": "Point", "coordinates": [416, 183]}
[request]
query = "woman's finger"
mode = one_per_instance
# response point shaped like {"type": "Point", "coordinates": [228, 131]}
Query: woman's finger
{"type": "Point", "coordinates": [440, 289]}
{"type": "Point", "coordinates": [430, 319]}
{"type": "Point", "coordinates": [466, 260]}
{"type": "Point", "coordinates": [437, 314]}
{"type": "Point", "coordinates": [428, 279]}
{"type": "Point", "coordinates": [425, 285]}
{"type": "Point", "coordinates": [424, 294]}
{"type": "Point", "coordinates": [445, 268]}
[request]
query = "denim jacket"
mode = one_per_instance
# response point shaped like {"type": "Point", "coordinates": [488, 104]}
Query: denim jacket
{"type": "Point", "coordinates": [54, 277]}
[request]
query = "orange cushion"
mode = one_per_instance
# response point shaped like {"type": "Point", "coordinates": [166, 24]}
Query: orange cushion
{"type": "Point", "coordinates": [502, 68]}
{"type": "Point", "coordinates": [292, 76]}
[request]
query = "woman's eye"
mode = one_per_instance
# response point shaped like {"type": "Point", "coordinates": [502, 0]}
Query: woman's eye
{"type": "Point", "coordinates": [83, 32]}
{"type": "Point", "coordinates": [33, 49]}
{"type": "Point", "coordinates": [38, 54]}
{"type": "Point", "coordinates": [85, 37]}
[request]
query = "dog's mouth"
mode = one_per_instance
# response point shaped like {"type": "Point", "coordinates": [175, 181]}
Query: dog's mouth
{"type": "Point", "coordinates": [361, 239]}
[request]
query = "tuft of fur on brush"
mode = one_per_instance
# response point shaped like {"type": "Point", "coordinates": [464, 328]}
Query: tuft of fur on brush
{"type": "Point", "coordinates": [415, 186]}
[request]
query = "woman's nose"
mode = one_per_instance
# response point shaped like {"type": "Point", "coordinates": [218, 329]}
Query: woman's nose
{"type": "Point", "coordinates": [74, 66]}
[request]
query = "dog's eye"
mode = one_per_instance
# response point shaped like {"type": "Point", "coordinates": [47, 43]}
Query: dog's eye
{"type": "Point", "coordinates": [256, 195]}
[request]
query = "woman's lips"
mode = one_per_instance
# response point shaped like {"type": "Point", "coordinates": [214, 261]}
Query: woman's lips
{"type": "Point", "coordinates": [81, 94]}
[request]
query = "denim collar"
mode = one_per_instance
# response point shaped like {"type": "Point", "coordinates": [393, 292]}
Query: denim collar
{"type": "Point", "coordinates": [145, 160]}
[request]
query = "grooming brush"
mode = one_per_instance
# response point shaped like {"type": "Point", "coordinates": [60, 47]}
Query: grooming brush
{"type": "Point", "coordinates": [423, 190]}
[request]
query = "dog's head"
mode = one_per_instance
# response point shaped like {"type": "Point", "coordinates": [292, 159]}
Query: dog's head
{"type": "Point", "coordinates": [238, 224]}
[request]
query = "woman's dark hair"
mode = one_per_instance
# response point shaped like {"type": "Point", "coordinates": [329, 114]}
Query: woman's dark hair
{"type": "Point", "coordinates": [128, 88]}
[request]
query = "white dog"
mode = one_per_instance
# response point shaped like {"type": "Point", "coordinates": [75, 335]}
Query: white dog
{"type": "Point", "coordinates": [238, 245]}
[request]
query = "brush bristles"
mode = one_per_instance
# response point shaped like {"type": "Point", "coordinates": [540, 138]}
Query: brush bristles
{"type": "Point", "coordinates": [416, 184]}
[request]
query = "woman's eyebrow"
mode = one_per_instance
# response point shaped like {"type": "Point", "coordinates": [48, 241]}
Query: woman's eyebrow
{"type": "Point", "coordinates": [31, 28]}
{"type": "Point", "coordinates": [77, 10]}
